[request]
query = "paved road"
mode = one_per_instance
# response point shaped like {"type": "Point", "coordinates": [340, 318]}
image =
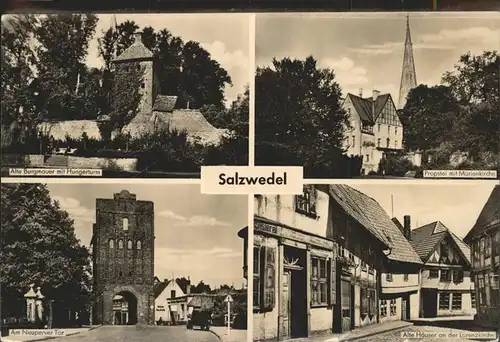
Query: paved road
{"type": "Point", "coordinates": [142, 333]}
{"type": "Point", "coordinates": [459, 331]}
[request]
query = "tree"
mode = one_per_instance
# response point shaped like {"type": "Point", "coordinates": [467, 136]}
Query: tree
{"type": "Point", "coordinates": [186, 70]}
{"type": "Point", "coordinates": [475, 78]}
{"type": "Point", "coordinates": [201, 287]}
{"type": "Point", "coordinates": [17, 74]}
{"type": "Point", "coordinates": [63, 43]}
{"type": "Point", "coordinates": [428, 117]}
{"type": "Point", "coordinates": [299, 119]}
{"type": "Point", "coordinates": [233, 148]}
{"type": "Point", "coordinates": [38, 246]}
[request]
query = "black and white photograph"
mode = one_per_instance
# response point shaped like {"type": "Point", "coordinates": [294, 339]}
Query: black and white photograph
{"type": "Point", "coordinates": [378, 262]}
{"type": "Point", "coordinates": [379, 95]}
{"type": "Point", "coordinates": [116, 262]}
{"type": "Point", "coordinates": [133, 95]}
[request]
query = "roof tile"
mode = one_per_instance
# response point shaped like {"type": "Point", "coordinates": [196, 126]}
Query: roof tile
{"type": "Point", "coordinates": [489, 216]}
{"type": "Point", "coordinates": [373, 217]}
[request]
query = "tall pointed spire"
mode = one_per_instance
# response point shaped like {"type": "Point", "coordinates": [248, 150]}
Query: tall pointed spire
{"type": "Point", "coordinates": [408, 74]}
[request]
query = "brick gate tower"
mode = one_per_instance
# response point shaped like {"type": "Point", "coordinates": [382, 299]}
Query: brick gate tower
{"type": "Point", "coordinates": [123, 260]}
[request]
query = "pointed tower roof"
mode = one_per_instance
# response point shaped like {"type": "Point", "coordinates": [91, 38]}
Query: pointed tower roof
{"type": "Point", "coordinates": [136, 51]}
{"type": "Point", "coordinates": [31, 293]}
{"type": "Point", "coordinates": [408, 74]}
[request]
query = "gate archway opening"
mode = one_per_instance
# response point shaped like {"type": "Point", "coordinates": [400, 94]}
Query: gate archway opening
{"type": "Point", "coordinates": [124, 308]}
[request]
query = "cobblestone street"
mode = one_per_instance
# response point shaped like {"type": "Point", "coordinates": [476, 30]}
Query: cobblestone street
{"type": "Point", "coordinates": [142, 333]}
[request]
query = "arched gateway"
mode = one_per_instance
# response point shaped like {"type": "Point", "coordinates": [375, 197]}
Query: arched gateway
{"type": "Point", "coordinates": [123, 252]}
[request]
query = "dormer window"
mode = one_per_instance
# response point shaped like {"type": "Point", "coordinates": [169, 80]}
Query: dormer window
{"type": "Point", "coordinates": [305, 203]}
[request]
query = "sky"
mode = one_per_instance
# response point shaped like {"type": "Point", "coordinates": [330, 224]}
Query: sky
{"type": "Point", "coordinates": [366, 49]}
{"type": "Point", "coordinates": [196, 234]}
{"type": "Point", "coordinates": [456, 205]}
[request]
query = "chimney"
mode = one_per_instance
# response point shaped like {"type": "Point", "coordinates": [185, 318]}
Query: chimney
{"type": "Point", "coordinates": [165, 280]}
{"type": "Point", "coordinates": [188, 286]}
{"type": "Point", "coordinates": [407, 227]}
{"type": "Point", "coordinates": [137, 37]}
{"type": "Point", "coordinates": [376, 93]}
{"type": "Point", "coordinates": [360, 92]}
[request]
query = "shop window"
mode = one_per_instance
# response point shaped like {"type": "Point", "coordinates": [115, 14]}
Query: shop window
{"type": "Point", "coordinates": [444, 301]}
{"type": "Point", "coordinates": [456, 301]}
{"type": "Point", "coordinates": [368, 302]}
{"type": "Point", "coordinates": [319, 282]}
{"type": "Point", "coordinates": [433, 273]}
{"type": "Point", "coordinates": [393, 307]}
{"type": "Point", "coordinates": [305, 203]}
{"type": "Point", "coordinates": [383, 308]}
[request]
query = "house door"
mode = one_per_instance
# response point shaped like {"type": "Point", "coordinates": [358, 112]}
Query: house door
{"type": "Point", "coordinates": [429, 302]}
{"type": "Point", "coordinates": [285, 305]}
{"type": "Point", "coordinates": [405, 306]}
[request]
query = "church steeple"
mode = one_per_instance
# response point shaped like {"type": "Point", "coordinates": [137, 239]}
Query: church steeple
{"type": "Point", "coordinates": [408, 74]}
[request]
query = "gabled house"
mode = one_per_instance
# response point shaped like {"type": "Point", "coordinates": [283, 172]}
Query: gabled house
{"type": "Point", "coordinates": [163, 291]}
{"type": "Point", "coordinates": [484, 239]}
{"type": "Point", "coordinates": [394, 262]}
{"type": "Point", "coordinates": [446, 286]}
{"type": "Point", "coordinates": [375, 128]}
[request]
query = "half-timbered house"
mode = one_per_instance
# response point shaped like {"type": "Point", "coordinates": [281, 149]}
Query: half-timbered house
{"type": "Point", "coordinates": [484, 237]}
{"type": "Point", "coordinates": [446, 286]}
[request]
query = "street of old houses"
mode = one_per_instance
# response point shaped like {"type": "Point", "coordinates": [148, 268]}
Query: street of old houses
{"type": "Point", "coordinates": [331, 262]}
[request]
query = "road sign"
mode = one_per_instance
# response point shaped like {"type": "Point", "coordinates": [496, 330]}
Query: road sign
{"type": "Point", "coordinates": [228, 299]}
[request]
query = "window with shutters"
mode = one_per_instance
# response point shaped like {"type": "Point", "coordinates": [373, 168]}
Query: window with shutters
{"type": "Point", "coordinates": [456, 301]}
{"type": "Point", "coordinates": [393, 307]}
{"type": "Point", "coordinates": [319, 281]}
{"type": "Point", "coordinates": [444, 301]}
{"type": "Point", "coordinates": [306, 203]}
{"type": "Point", "coordinates": [257, 288]}
{"type": "Point", "coordinates": [269, 278]}
{"type": "Point", "coordinates": [383, 308]}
